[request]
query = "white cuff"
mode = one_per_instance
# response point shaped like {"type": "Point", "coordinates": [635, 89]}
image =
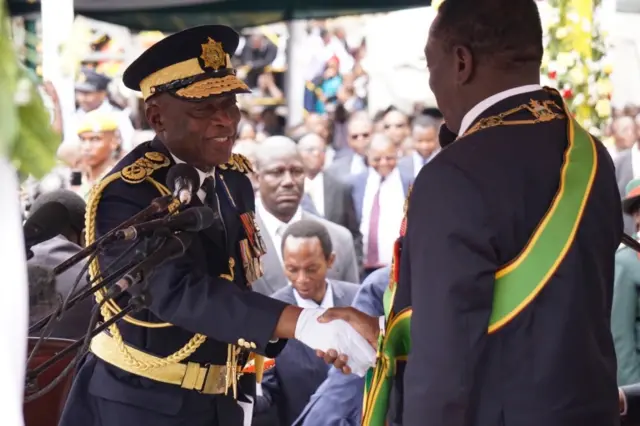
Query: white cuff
{"type": "Point", "coordinates": [624, 403]}
{"type": "Point", "coordinates": [382, 323]}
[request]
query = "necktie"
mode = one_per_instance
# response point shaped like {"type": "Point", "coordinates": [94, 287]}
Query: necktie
{"type": "Point", "coordinates": [424, 161]}
{"type": "Point", "coordinates": [211, 200]}
{"type": "Point", "coordinates": [373, 258]}
{"type": "Point", "coordinates": [209, 188]}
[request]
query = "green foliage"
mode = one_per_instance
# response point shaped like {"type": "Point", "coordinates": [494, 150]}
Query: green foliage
{"type": "Point", "coordinates": [26, 136]}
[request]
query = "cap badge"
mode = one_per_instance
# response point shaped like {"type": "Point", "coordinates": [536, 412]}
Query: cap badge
{"type": "Point", "coordinates": [82, 78]}
{"type": "Point", "coordinates": [213, 54]}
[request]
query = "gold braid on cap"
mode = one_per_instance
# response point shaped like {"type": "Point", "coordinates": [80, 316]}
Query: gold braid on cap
{"type": "Point", "coordinates": [191, 81]}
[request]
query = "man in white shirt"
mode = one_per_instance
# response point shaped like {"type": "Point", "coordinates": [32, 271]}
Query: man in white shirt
{"type": "Point", "coordinates": [331, 197]}
{"type": "Point", "coordinates": [378, 196]}
{"type": "Point", "coordinates": [307, 255]}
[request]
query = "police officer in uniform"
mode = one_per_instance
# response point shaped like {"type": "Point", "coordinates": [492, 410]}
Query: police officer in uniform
{"type": "Point", "coordinates": [500, 315]}
{"type": "Point", "coordinates": [179, 361]}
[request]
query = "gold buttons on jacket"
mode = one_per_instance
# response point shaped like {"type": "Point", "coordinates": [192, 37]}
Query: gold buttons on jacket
{"type": "Point", "coordinates": [245, 344]}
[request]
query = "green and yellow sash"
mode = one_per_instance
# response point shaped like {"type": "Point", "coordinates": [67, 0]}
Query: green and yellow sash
{"type": "Point", "coordinates": [517, 283]}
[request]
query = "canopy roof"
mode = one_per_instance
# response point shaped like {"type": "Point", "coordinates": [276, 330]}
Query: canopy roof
{"type": "Point", "coordinates": [176, 15]}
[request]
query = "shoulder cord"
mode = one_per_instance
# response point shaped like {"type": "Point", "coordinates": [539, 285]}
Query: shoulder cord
{"type": "Point", "coordinates": [110, 307]}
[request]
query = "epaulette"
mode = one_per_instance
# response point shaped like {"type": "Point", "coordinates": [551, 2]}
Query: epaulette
{"type": "Point", "coordinates": [144, 167]}
{"type": "Point", "coordinates": [239, 163]}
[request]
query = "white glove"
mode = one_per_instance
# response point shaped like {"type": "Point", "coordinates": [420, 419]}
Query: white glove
{"type": "Point", "coordinates": [337, 335]}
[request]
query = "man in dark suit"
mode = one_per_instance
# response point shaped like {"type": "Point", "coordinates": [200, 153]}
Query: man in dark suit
{"type": "Point", "coordinates": [378, 196]}
{"type": "Point", "coordinates": [281, 175]}
{"type": "Point", "coordinates": [630, 404]}
{"type": "Point", "coordinates": [491, 341]}
{"type": "Point", "coordinates": [178, 360]}
{"type": "Point", "coordinates": [338, 400]}
{"type": "Point", "coordinates": [330, 196]}
{"type": "Point", "coordinates": [307, 254]}
{"type": "Point", "coordinates": [74, 322]}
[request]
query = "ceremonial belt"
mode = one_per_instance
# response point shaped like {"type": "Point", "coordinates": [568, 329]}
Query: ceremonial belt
{"type": "Point", "coordinates": [207, 379]}
{"type": "Point", "coordinates": [516, 284]}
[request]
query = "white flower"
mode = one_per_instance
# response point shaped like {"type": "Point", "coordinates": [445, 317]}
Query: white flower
{"type": "Point", "coordinates": [577, 76]}
{"type": "Point", "coordinates": [562, 32]}
{"type": "Point", "coordinates": [579, 99]}
{"type": "Point", "coordinates": [573, 17]}
{"type": "Point", "coordinates": [22, 95]}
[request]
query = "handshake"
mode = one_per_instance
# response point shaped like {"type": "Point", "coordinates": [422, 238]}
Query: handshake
{"type": "Point", "coordinates": [344, 337]}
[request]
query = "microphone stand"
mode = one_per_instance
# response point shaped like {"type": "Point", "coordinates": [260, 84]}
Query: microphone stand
{"type": "Point", "coordinates": [135, 304]}
{"type": "Point", "coordinates": [158, 205]}
{"type": "Point", "coordinates": [138, 301]}
{"type": "Point", "coordinates": [81, 295]}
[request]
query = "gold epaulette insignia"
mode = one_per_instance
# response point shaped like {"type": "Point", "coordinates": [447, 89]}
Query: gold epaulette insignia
{"type": "Point", "coordinates": [144, 166]}
{"type": "Point", "coordinates": [239, 163]}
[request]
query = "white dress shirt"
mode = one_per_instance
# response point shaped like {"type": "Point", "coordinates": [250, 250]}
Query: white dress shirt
{"type": "Point", "coordinates": [327, 300]}
{"type": "Point", "coordinates": [315, 188]}
{"type": "Point", "coordinates": [274, 226]}
{"type": "Point", "coordinates": [357, 164]}
{"type": "Point", "coordinates": [201, 192]}
{"type": "Point", "coordinates": [391, 212]}
{"type": "Point", "coordinates": [419, 162]}
{"type": "Point", "coordinates": [484, 105]}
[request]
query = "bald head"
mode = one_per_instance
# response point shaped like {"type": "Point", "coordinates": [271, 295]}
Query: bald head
{"type": "Point", "coordinates": [382, 154]}
{"type": "Point", "coordinates": [380, 142]}
{"type": "Point", "coordinates": [624, 132]}
{"type": "Point", "coordinates": [310, 141]}
{"type": "Point", "coordinates": [275, 148]}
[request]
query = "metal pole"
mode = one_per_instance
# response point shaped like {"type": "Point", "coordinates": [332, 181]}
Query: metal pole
{"type": "Point", "coordinates": [57, 24]}
{"type": "Point", "coordinates": [295, 78]}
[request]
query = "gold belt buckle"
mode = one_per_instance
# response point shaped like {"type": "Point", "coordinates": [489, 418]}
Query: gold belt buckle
{"type": "Point", "coordinates": [215, 380]}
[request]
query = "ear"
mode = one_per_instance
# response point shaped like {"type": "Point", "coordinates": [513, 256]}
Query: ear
{"type": "Point", "coordinates": [464, 64]}
{"type": "Point", "coordinates": [154, 117]}
{"type": "Point", "coordinates": [331, 260]}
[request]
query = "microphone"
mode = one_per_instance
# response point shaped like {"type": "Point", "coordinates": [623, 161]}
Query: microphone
{"type": "Point", "coordinates": [194, 219]}
{"type": "Point", "coordinates": [45, 223]}
{"type": "Point", "coordinates": [173, 248]}
{"type": "Point", "coordinates": [43, 296]}
{"type": "Point", "coordinates": [184, 181]}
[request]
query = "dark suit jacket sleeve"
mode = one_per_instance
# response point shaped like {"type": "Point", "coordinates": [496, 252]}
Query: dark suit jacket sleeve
{"type": "Point", "coordinates": [190, 299]}
{"type": "Point", "coordinates": [623, 324]}
{"type": "Point", "coordinates": [632, 394]}
{"type": "Point", "coordinates": [270, 391]}
{"type": "Point", "coordinates": [452, 265]}
{"type": "Point", "coordinates": [351, 222]}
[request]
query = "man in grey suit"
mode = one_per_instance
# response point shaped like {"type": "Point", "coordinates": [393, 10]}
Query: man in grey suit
{"type": "Point", "coordinates": [49, 254]}
{"type": "Point", "coordinates": [627, 153]}
{"type": "Point", "coordinates": [307, 254]}
{"type": "Point", "coordinates": [352, 160]}
{"type": "Point", "coordinates": [280, 175]}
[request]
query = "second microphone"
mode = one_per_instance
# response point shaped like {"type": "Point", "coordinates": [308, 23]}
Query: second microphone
{"type": "Point", "coordinates": [193, 219]}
